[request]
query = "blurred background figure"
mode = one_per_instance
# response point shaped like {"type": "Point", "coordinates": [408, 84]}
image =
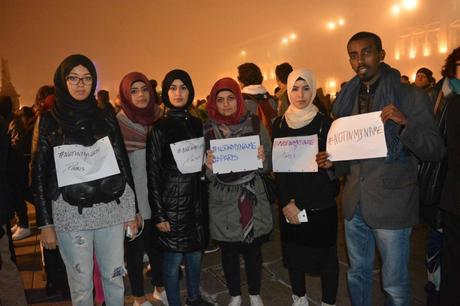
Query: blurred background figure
{"type": "Point", "coordinates": [404, 79]}
{"type": "Point", "coordinates": [282, 71]}
{"type": "Point", "coordinates": [103, 100]}
{"type": "Point", "coordinates": [16, 168]}
{"type": "Point", "coordinates": [424, 80]}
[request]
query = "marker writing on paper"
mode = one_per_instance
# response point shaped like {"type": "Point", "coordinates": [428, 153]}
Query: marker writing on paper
{"type": "Point", "coordinates": [354, 135]}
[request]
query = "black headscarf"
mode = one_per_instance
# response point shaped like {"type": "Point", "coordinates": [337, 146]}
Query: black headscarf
{"type": "Point", "coordinates": [69, 112]}
{"type": "Point", "coordinates": [169, 79]}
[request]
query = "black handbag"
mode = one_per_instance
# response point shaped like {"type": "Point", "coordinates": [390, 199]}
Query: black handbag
{"type": "Point", "coordinates": [270, 187]}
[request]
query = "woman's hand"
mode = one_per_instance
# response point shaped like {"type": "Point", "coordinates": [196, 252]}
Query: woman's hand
{"type": "Point", "coordinates": [138, 220]}
{"type": "Point", "coordinates": [323, 161]}
{"type": "Point", "coordinates": [261, 153]}
{"type": "Point", "coordinates": [48, 238]}
{"type": "Point", "coordinates": [291, 212]}
{"type": "Point", "coordinates": [132, 225]}
{"type": "Point", "coordinates": [209, 160]}
{"type": "Point", "coordinates": [163, 226]}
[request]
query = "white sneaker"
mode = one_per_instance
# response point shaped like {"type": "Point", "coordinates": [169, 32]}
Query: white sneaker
{"type": "Point", "coordinates": [235, 301]}
{"type": "Point", "coordinates": [161, 296]}
{"type": "Point", "coordinates": [14, 229]}
{"type": "Point", "coordinates": [146, 303]}
{"type": "Point", "coordinates": [299, 301]}
{"type": "Point", "coordinates": [255, 300]}
{"type": "Point", "coordinates": [21, 233]}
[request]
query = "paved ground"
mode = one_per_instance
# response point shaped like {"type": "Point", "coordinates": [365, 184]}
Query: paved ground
{"type": "Point", "coordinates": [275, 283]}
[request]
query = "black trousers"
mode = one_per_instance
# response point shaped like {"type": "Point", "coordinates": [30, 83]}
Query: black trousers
{"type": "Point", "coordinates": [56, 275]}
{"type": "Point", "coordinates": [329, 279]}
{"type": "Point", "coordinates": [252, 255]}
{"type": "Point", "coordinates": [134, 260]}
{"type": "Point", "coordinates": [450, 261]}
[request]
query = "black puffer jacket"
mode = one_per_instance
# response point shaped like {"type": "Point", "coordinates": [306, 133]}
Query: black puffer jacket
{"type": "Point", "coordinates": [173, 196]}
{"type": "Point", "coordinates": [48, 134]}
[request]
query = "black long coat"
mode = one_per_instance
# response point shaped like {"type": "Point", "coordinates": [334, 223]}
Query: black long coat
{"type": "Point", "coordinates": [175, 197]}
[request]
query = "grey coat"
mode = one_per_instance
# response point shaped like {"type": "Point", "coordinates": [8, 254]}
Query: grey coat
{"type": "Point", "coordinates": [224, 215]}
{"type": "Point", "coordinates": [388, 193]}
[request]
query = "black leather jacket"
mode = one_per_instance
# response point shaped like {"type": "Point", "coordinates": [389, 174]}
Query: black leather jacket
{"type": "Point", "coordinates": [173, 196]}
{"type": "Point", "coordinates": [48, 134]}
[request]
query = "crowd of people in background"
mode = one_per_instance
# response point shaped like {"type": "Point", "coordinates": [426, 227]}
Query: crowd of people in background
{"type": "Point", "coordinates": [91, 226]}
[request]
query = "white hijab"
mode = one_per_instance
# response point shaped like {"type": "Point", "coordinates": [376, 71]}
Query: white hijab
{"type": "Point", "coordinates": [298, 118]}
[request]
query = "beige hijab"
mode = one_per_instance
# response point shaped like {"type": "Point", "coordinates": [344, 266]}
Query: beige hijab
{"type": "Point", "coordinates": [298, 118]}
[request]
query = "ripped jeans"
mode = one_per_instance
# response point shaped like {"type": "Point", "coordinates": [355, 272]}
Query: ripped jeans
{"type": "Point", "coordinates": [77, 253]}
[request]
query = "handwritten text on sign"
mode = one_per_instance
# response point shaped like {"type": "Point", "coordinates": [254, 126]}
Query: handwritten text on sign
{"type": "Point", "coordinates": [188, 154]}
{"type": "Point", "coordinates": [235, 154]}
{"type": "Point", "coordinates": [78, 164]}
{"type": "Point", "coordinates": [357, 137]}
{"type": "Point", "coordinates": [295, 154]}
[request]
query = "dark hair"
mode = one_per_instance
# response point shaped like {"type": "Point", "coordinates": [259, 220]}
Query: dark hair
{"type": "Point", "coordinates": [6, 106]}
{"type": "Point", "coordinates": [26, 114]}
{"type": "Point", "coordinates": [450, 68]}
{"type": "Point", "coordinates": [282, 71]}
{"type": "Point", "coordinates": [154, 84]}
{"type": "Point", "coordinates": [427, 72]}
{"type": "Point", "coordinates": [249, 74]}
{"type": "Point", "coordinates": [103, 95]}
{"type": "Point", "coordinates": [42, 93]}
{"type": "Point", "coordinates": [367, 35]}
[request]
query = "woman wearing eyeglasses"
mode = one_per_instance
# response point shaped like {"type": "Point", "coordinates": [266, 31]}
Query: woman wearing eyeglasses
{"type": "Point", "coordinates": [139, 110]}
{"type": "Point", "coordinates": [82, 183]}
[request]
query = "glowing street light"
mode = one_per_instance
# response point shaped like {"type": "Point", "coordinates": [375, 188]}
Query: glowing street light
{"type": "Point", "coordinates": [331, 25]}
{"type": "Point", "coordinates": [397, 55]}
{"type": "Point", "coordinates": [409, 4]}
{"type": "Point", "coordinates": [395, 10]}
{"type": "Point", "coordinates": [293, 36]}
{"type": "Point", "coordinates": [243, 53]}
{"type": "Point", "coordinates": [341, 22]}
{"type": "Point", "coordinates": [285, 40]}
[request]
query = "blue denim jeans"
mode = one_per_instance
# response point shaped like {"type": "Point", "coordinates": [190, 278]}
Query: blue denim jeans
{"type": "Point", "coordinates": [394, 247]}
{"type": "Point", "coordinates": [171, 263]}
{"type": "Point", "coordinates": [77, 253]}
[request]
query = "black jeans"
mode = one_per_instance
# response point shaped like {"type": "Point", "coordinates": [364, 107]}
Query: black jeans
{"type": "Point", "coordinates": [450, 263]}
{"type": "Point", "coordinates": [134, 259]}
{"type": "Point", "coordinates": [252, 255]}
{"type": "Point", "coordinates": [329, 279]}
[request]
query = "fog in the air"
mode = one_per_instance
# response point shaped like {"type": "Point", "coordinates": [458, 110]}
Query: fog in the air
{"type": "Point", "coordinates": [210, 38]}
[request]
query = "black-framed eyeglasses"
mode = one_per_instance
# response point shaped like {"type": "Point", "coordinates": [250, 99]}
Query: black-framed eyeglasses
{"type": "Point", "coordinates": [74, 80]}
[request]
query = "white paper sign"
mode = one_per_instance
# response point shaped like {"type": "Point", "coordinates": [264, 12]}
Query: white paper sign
{"type": "Point", "coordinates": [188, 154]}
{"type": "Point", "coordinates": [295, 154]}
{"type": "Point", "coordinates": [357, 137]}
{"type": "Point", "coordinates": [235, 154]}
{"type": "Point", "coordinates": [78, 164]}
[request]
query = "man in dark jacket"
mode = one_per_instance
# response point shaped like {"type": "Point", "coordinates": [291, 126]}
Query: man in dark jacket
{"type": "Point", "coordinates": [11, 287]}
{"type": "Point", "coordinates": [17, 167]}
{"type": "Point", "coordinates": [380, 197]}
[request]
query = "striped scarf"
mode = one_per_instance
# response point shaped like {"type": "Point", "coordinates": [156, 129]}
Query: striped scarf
{"type": "Point", "coordinates": [134, 134]}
